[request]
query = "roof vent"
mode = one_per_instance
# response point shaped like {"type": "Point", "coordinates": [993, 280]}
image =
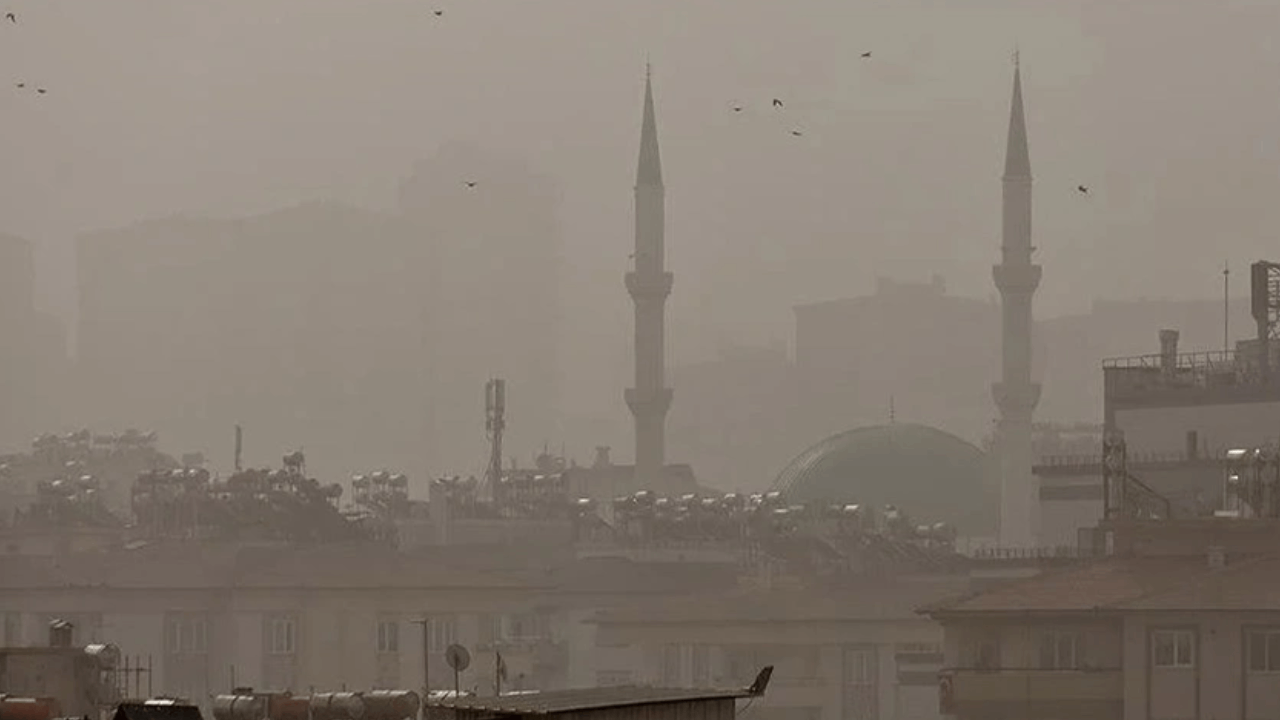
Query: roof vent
{"type": "Point", "coordinates": [1217, 557]}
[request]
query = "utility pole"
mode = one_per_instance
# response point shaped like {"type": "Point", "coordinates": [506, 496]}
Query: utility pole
{"type": "Point", "coordinates": [425, 622]}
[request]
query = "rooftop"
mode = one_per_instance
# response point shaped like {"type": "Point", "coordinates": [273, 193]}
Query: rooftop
{"type": "Point", "coordinates": [893, 600]}
{"type": "Point", "coordinates": [560, 701]}
{"type": "Point", "coordinates": [1132, 585]}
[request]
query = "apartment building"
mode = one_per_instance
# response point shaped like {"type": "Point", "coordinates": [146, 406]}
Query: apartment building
{"type": "Point", "coordinates": [1169, 627]}
{"type": "Point", "coordinates": [851, 653]}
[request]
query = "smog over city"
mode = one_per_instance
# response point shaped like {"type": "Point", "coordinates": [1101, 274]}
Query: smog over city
{"type": "Point", "coordinates": [475, 359]}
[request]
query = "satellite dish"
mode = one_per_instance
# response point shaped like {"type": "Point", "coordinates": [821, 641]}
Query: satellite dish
{"type": "Point", "coordinates": [457, 657]}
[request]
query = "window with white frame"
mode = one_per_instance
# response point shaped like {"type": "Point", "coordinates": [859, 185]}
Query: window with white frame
{"type": "Point", "coordinates": [282, 635]}
{"type": "Point", "coordinates": [1173, 649]}
{"type": "Point", "coordinates": [188, 634]}
{"type": "Point", "coordinates": [444, 632]}
{"type": "Point", "coordinates": [388, 636]}
{"type": "Point", "coordinates": [1060, 650]}
{"type": "Point", "coordinates": [1264, 651]}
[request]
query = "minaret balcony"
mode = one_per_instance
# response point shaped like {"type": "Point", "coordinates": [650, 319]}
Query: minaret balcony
{"type": "Point", "coordinates": [642, 284]}
{"type": "Point", "coordinates": [1015, 399]}
{"type": "Point", "coordinates": [1016, 278]}
{"type": "Point", "coordinates": [643, 401]}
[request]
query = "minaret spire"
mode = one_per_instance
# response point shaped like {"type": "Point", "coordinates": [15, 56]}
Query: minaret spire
{"type": "Point", "coordinates": [649, 284]}
{"type": "Point", "coordinates": [1015, 395]}
{"type": "Point", "coordinates": [1017, 159]}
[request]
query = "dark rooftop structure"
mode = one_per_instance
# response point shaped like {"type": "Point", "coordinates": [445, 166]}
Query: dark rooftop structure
{"type": "Point", "coordinates": [649, 703]}
{"type": "Point", "coordinates": [157, 710]}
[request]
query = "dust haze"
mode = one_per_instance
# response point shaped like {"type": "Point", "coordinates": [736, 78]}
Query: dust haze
{"type": "Point", "coordinates": [259, 214]}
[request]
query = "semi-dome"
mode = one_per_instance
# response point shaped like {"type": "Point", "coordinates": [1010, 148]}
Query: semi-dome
{"type": "Point", "coordinates": [930, 474]}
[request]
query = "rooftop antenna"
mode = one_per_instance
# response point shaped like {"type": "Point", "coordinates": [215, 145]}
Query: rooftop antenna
{"type": "Point", "coordinates": [1226, 307]}
{"type": "Point", "coordinates": [239, 446]}
{"type": "Point", "coordinates": [892, 414]}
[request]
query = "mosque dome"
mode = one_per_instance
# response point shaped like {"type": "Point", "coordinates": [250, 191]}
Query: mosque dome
{"type": "Point", "coordinates": [930, 474]}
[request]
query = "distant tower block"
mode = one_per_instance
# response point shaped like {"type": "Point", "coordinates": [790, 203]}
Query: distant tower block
{"type": "Point", "coordinates": [649, 285]}
{"type": "Point", "coordinates": [1015, 395]}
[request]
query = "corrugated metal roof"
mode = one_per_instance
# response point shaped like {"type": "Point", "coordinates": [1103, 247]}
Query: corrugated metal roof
{"type": "Point", "coordinates": [561, 701]}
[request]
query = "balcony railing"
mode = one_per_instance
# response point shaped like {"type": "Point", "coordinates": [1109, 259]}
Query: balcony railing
{"type": "Point", "coordinates": [1028, 688]}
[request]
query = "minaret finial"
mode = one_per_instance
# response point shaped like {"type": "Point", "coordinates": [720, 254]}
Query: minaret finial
{"type": "Point", "coordinates": [1017, 57]}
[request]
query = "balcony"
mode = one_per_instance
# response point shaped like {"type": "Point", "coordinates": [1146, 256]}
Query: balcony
{"type": "Point", "coordinates": [1031, 693]}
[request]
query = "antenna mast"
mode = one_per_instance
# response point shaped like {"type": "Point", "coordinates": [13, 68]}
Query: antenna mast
{"type": "Point", "coordinates": [495, 411]}
{"type": "Point", "coordinates": [1226, 308]}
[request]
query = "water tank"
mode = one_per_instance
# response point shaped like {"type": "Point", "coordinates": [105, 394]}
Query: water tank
{"type": "Point", "coordinates": [24, 708]}
{"type": "Point", "coordinates": [239, 707]}
{"type": "Point", "coordinates": [391, 704]}
{"type": "Point", "coordinates": [337, 706]}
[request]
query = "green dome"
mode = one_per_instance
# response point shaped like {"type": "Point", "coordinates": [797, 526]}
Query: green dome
{"type": "Point", "coordinates": [929, 474]}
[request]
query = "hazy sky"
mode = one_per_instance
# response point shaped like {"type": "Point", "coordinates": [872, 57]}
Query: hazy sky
{"type": "Point", "coordinates": [1169, 111]}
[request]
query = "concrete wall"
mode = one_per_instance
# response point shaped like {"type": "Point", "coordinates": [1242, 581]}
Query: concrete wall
{"type": "Point", "coordinates": [1163, 430]}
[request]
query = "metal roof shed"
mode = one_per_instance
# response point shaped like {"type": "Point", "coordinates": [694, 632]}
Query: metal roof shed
{"type": "Point", "coordinates": [615, 703]}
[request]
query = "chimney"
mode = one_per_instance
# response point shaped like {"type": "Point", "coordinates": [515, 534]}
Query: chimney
{"type": "Point", "coordinates": [1193, 445]}
{"type": "Point", "coordinates": [1168, 351]}
{"type": "Point", "coordinates": [1217, 557]}
{"type": "Point", "coordinates": [60, 632]}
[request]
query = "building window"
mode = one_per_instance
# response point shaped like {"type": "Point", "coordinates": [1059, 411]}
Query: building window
{"type": "Point", "coordinates": [1173, 649]}
{"type": "Point", "coordinates": [1060, 651]}
{"type": "Point", "coordinates": [700, 665]}
{"type": "Point", "coordinates": [282, 636]}
{"type": "Point", "coordinates": [528, 626]}
{"type": "Point", "coordinates": [444, 632]}
{"type": "Point", "coordinates": [11, 631]}
{"type": "Point", "coordinates": [861, 686]}
{"type": "Point", "coordinates": [388, 637]}
{"type": "Point", "coordinates": [859, 667]}
{"type": "Point", "coordinates": [671, 670]}
{"type": "Point", "coordinates": [1264, 651]}
{"type": "Point", "coordinates": [188, 635]}
{"type": "Point", "coordinates": [613, 678]}
{"type": "Point", "coordinates": [489, 629]}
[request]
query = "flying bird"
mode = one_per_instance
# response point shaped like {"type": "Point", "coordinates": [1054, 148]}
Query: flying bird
{"type": "Point", "coordinates": [737, 108]}
{"type": "Point", "coordinates": [20, 85]}
{"type": "Point", "coordinates": [469, 183]}
{"type": "Point", "coordinates": [866, 54]}
{"type": "Point", "coordinates": [41, 90]}
{"type": "Point", "coordinates": [11, 18]}
{"type": "Point", "coordinates": [1082, 189]}
{"type": "Point", "coordinates": [439, 13]}
{"type": "Point", "coordinates": [797, 133]}
{"type": "Point", "coordinates": [777, 103]}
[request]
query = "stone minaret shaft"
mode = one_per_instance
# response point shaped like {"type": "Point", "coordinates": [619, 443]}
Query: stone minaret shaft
{"type": "Point", "coordinates": [649, 284]}
{"type": "Point", "coordinates": [1015, 395]}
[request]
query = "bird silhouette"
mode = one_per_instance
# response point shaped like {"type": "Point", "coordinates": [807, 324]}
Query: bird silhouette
{"type": "Point", "coordinates": [20, 85]}
{"type": "Point", "coordinates": [41, 90]}
{"type": "Point", "coordinates": [469, 183]}
{"type": "Point", "coordinates": [777, 103]}
{"type": "Point", "coordinates": [797, 133]}
{"type": "Point", "coordinates": [866, 54]}
{"type": "Point", "coordinates": [737, 108]}
{"type": "Point", "coordinates": [1082, 189]}
{"type": "Point", "coordinates": [439, 13]}
{"type": "Point", "coordinates": [11, 18]}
